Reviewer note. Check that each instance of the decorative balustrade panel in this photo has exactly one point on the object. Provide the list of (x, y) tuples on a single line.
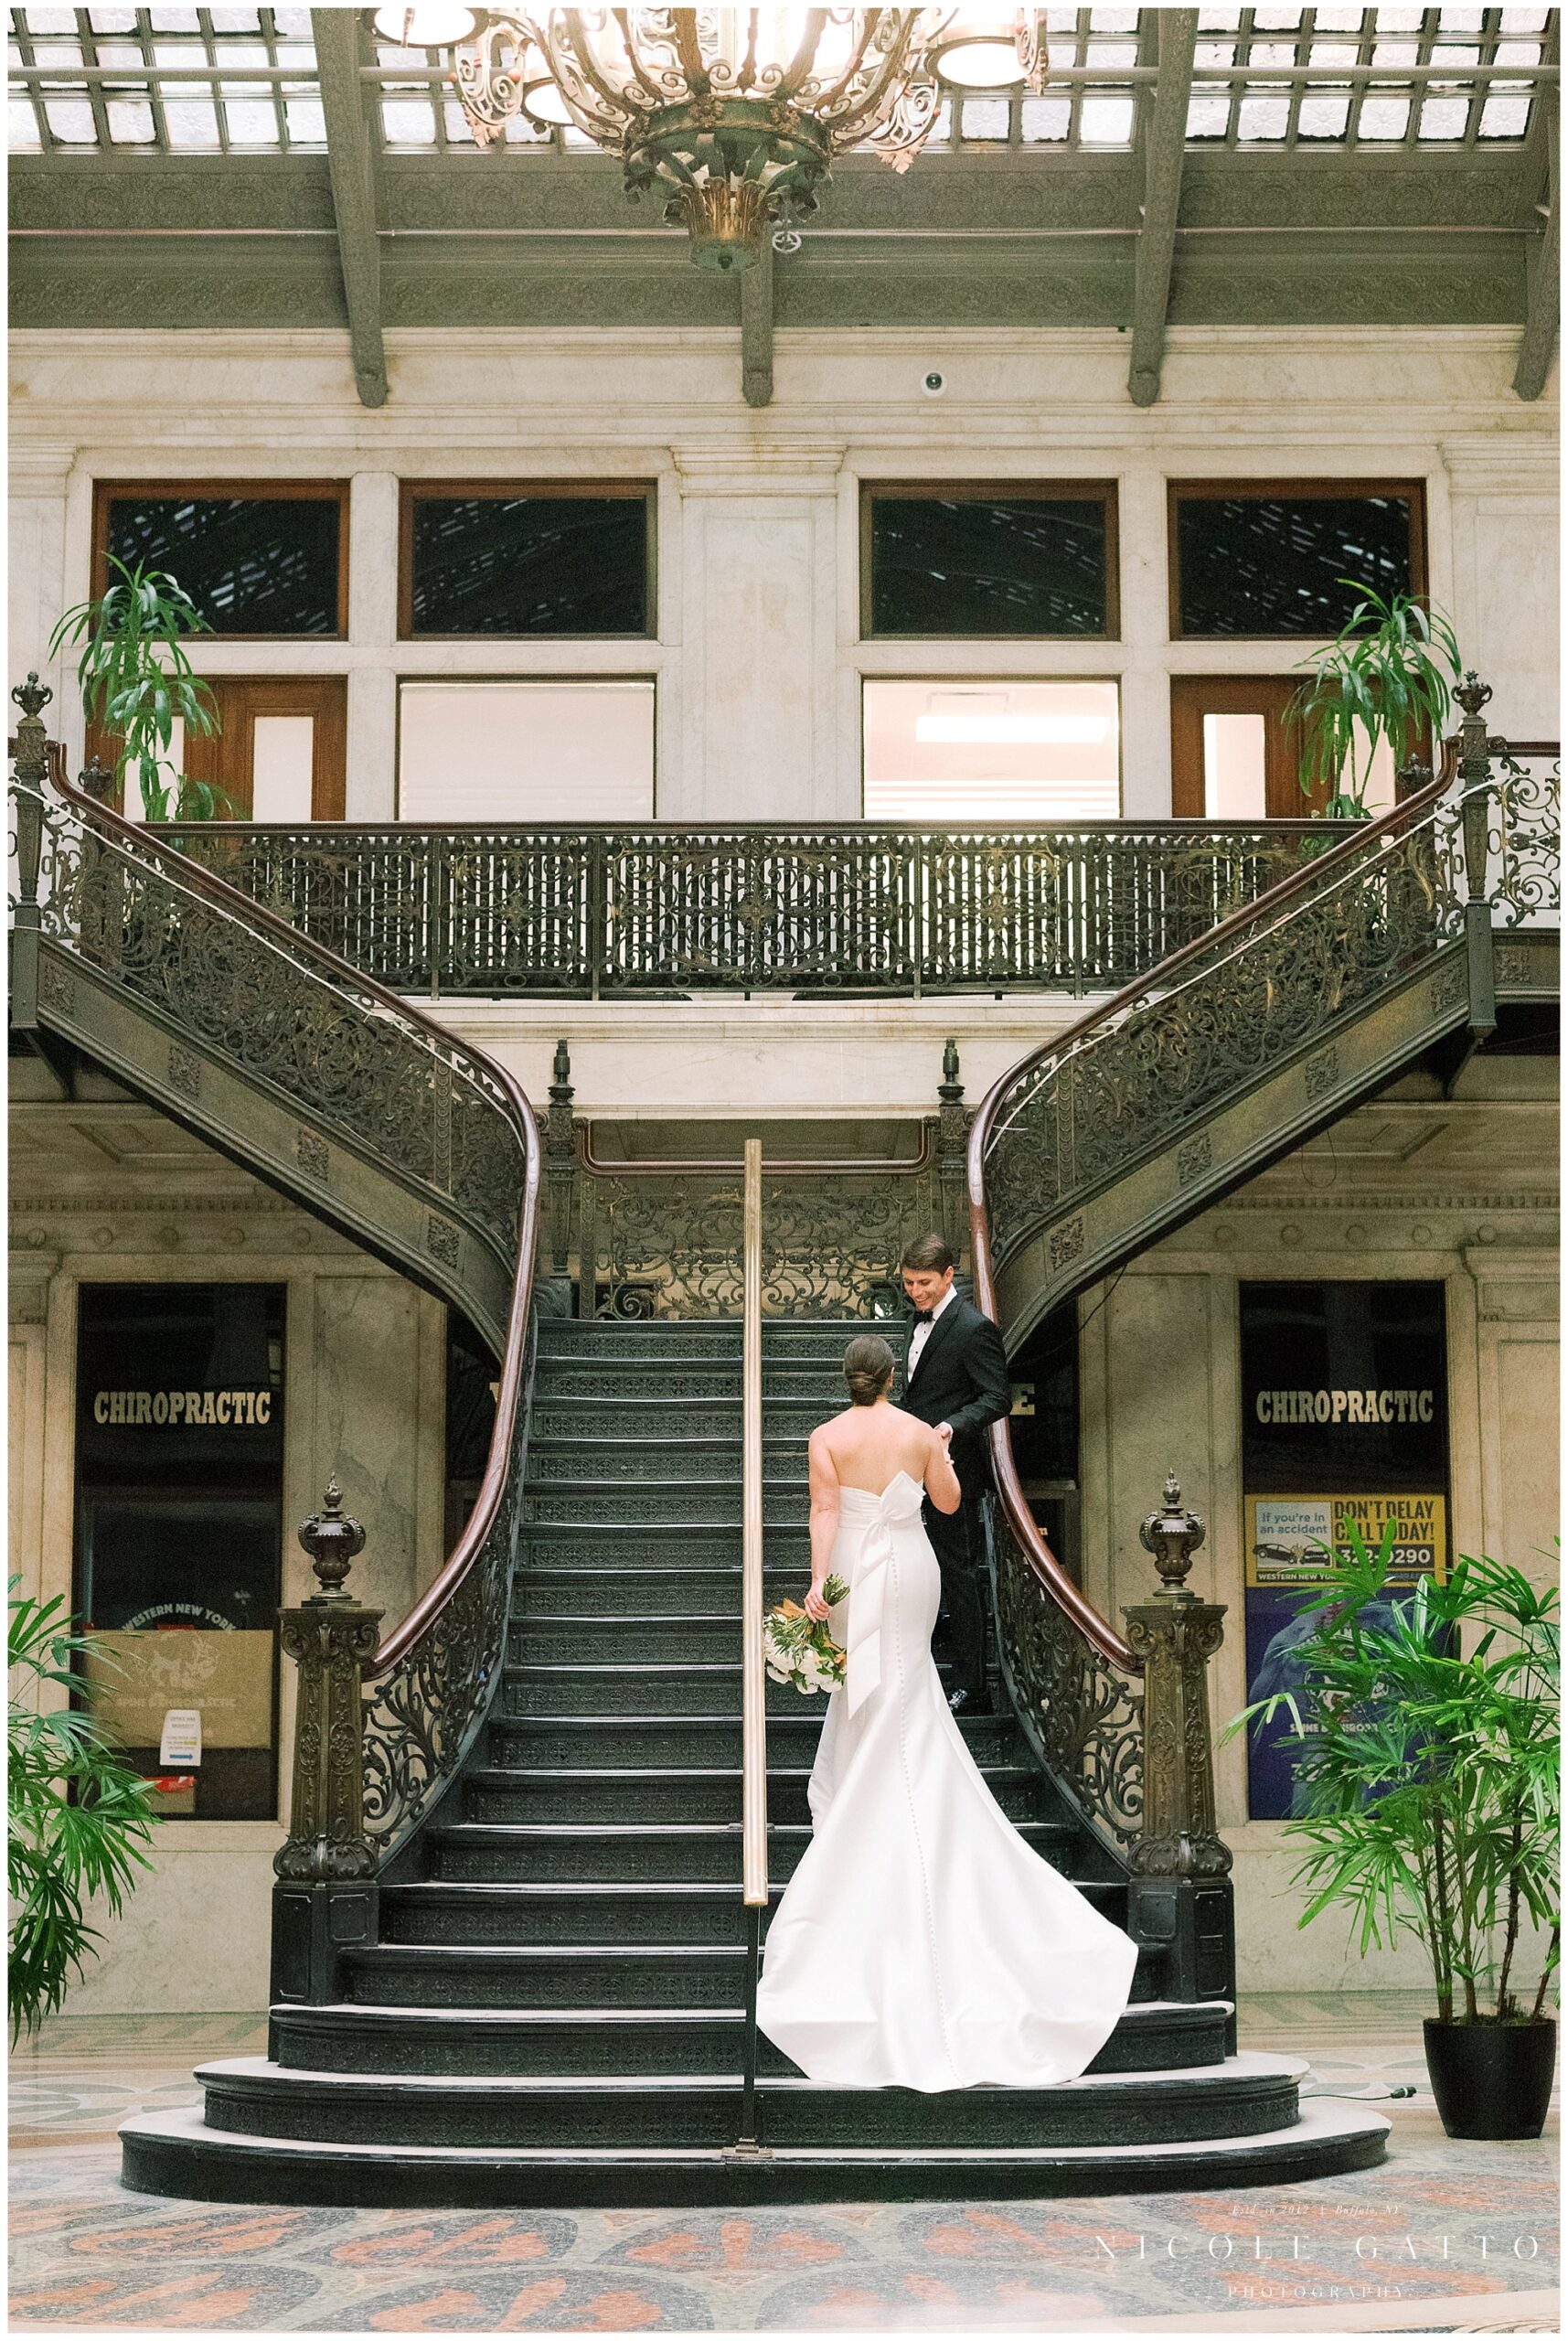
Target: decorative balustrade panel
[(355, 1066), (1079, 1116), (423, 1713), (1525, 843), (499, 912), (1087, 1715), (667, 1244)]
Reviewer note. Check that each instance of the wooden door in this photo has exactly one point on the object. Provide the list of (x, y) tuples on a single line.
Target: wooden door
[(280, 752), (1278, 795)]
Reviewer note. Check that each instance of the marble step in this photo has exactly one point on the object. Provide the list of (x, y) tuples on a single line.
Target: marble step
[(1245, 2095), (686, 1455), (657, 1588), (577, 1742), (644, 1793), (684, 1688), (628, 1505), (668, 1852), (180, 2154)]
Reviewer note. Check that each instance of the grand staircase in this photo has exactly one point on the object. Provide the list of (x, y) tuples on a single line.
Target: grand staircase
[(555, 2009), (520, 1975)]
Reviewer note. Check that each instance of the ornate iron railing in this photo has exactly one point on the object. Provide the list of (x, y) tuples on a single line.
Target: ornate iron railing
[(1525, 830), (601, 913), (360, 1069), (1147, 1070)]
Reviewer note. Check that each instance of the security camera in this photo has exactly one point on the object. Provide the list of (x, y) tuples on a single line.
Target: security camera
[(933, 384)]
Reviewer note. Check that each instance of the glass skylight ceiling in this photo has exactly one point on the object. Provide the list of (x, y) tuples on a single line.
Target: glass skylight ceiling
[(220, 80)]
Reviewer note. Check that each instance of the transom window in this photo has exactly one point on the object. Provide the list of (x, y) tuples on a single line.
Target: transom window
[(986, 560), (264, 559), (487, 559), (1265, 558)]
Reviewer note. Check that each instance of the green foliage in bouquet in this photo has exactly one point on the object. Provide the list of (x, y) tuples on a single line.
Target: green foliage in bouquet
[(1426, 1744), (78, 1815), (799, 1649)]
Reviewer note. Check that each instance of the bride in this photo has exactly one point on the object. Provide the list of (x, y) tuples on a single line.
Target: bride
[(922, 1942)]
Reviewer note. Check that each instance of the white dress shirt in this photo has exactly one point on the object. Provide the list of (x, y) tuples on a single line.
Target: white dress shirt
[(922, 1333)]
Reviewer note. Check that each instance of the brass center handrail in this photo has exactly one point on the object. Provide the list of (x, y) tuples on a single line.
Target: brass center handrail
[(753, 1679), (753, 1676)]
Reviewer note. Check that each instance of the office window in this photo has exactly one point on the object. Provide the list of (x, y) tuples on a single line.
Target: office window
[(566, 751), (179, 1531), (483, 559), (1037, 755), (261, 561), (1270, 558), (1008, 558)]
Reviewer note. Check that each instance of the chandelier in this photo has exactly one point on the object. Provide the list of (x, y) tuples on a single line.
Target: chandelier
[(734, 114)]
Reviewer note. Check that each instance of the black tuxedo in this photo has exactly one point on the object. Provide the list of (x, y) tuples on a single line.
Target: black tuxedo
[(961, 1378)]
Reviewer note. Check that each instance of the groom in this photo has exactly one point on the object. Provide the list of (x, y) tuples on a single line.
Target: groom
[(956, 1380)]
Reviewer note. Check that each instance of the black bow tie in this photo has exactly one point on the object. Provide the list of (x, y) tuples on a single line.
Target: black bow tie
[(923, 1316)]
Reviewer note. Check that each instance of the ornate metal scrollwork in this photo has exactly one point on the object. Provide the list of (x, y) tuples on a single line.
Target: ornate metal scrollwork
[(1086, 1715), (360, 1071), (667, 1244), (1079, 1116), (865, 910)]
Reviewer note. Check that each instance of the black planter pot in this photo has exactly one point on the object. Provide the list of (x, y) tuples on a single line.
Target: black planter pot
[(1491, 2080)]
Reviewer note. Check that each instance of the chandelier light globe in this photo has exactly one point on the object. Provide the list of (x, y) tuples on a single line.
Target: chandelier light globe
[(734, 114), (439, 24), (976, 50)]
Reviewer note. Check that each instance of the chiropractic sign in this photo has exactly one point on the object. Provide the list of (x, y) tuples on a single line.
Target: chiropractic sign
[(175, 1407), (1344, 1432)]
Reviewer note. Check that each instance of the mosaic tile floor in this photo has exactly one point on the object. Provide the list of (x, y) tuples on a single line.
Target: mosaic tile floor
[(1469, 2229)]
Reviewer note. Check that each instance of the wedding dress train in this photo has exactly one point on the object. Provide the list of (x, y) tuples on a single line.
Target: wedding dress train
[(922, 1943)]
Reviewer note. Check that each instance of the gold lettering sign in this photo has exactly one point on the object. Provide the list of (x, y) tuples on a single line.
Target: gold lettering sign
[(223, 1408)]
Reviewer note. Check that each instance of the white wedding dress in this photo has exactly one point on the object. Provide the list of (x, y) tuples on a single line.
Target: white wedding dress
[(922, 1943)]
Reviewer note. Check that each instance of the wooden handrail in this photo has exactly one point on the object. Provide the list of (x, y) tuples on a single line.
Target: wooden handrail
[(135, 839), (1097, 1631)]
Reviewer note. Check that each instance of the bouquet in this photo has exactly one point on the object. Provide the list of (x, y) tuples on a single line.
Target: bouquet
[(799, 1650)]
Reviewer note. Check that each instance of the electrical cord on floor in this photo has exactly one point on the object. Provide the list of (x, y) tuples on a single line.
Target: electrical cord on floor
[(1365, 2096)]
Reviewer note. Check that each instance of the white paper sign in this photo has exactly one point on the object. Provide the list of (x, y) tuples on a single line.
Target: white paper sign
[(181, 1741)]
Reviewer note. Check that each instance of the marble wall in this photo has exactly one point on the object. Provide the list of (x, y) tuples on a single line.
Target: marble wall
[(365, 1397), (1461, 1191), (758, 656)]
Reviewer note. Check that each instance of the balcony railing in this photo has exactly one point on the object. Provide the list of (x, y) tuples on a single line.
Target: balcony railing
[(600, 913)]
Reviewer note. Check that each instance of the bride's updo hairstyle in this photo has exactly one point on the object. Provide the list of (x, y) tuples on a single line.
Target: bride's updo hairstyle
[(867, 1369)]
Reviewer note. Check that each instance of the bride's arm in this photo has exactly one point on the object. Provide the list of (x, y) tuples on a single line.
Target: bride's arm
[(824, 1521), (940, 1479)]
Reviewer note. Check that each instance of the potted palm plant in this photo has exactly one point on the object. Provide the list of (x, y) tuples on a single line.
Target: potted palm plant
[(1389, 675), (79, 1821), (137, 680), (1425, 1736)]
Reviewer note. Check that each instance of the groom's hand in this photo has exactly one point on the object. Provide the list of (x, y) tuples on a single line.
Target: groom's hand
[(944, 1433)]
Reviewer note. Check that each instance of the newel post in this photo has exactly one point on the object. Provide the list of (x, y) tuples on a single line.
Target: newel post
[(952, 1150), (325, 1899), (31, 770), (561, 1182), (1179, 1896)]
